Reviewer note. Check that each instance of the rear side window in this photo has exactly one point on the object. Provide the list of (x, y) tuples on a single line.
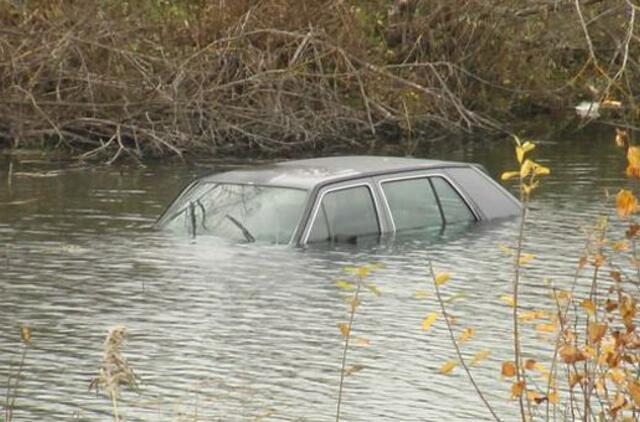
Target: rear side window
[(490, 197), (413, 204), (454, 208), (345, 215)]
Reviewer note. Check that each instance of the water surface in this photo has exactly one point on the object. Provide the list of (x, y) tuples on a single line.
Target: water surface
[(246, 332)]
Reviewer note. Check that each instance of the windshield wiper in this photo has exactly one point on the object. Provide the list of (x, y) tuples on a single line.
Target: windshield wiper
[(192, 214), (247, 234)]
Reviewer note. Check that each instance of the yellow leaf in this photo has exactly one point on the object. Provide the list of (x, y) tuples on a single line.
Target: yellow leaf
[(479, 356), (522, 149), (617, 375), (428, 321), (541, 368), (590, 352), (620, 246), (466, 334), (352, 369), (540, 170), (516, 389), (525, 258), (505, 249), (344, 329), (596, 332), (507, 175), (611, 104), (588, 306), (626, 203), (362, 342), (618, 403), (530, 167), (528, 188), (373, 288), (526, 168), (553, 397), (532, 315), (622, 138), (602, 223), (562, 294), (546, 328), (363, 271), (345, 285), (422, 294), (530, 364), (456, 298), (508, 369), (633, 157), (628, 310), (600, 386), (354, 303), (508, 299), (571, 354), (441, 278), (26, 334), (575, 378), (634, 391), (535, 396), (448, 366), (376, 265)]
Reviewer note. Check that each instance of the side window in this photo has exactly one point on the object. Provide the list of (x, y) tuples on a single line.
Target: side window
[(453, 206), (413, 204), (345, 215)]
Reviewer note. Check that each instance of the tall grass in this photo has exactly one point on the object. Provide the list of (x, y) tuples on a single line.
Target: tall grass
[(115, 370)]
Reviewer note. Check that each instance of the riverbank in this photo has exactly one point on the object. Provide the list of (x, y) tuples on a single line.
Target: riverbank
[(107, 80)]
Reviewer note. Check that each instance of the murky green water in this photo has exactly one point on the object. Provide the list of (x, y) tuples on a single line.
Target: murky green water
[(250, 333)]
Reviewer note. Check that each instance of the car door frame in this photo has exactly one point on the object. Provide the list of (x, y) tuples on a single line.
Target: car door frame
[(422, 174), (384, 224)]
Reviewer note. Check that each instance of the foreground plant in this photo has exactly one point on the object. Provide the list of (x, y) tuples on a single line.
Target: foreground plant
[(438, 280), (12, 387), (360, 273), (115, 370), (529, 174), (594, 370)]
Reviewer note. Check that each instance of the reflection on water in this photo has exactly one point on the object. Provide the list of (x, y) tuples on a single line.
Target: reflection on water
[(241, 332)]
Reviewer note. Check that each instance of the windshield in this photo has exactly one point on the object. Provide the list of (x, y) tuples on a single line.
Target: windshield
[(237, 212)]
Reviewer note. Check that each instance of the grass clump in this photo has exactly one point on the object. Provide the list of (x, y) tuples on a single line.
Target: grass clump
[(115, 372)]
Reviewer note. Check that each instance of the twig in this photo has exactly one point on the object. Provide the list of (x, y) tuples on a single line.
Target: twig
[(343, 362), (516, 284), (457, 348)]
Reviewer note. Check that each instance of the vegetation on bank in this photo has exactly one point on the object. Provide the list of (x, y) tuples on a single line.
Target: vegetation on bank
[(114, 78)]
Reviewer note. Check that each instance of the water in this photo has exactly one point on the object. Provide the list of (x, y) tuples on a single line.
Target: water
[(241, 332)]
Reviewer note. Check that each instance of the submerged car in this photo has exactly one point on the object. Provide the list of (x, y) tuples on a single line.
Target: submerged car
[(338, 199)]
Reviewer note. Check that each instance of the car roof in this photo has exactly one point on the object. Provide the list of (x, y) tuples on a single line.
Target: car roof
[(306, 174)]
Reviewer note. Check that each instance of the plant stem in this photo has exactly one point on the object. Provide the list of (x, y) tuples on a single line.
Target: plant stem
[(116, 418), (354, 304), (12, 395), (516, 282), (455, 345)]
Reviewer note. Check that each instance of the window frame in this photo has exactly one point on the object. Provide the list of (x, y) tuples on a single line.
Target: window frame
[(162, 220), (318, 202), (427, 176)]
